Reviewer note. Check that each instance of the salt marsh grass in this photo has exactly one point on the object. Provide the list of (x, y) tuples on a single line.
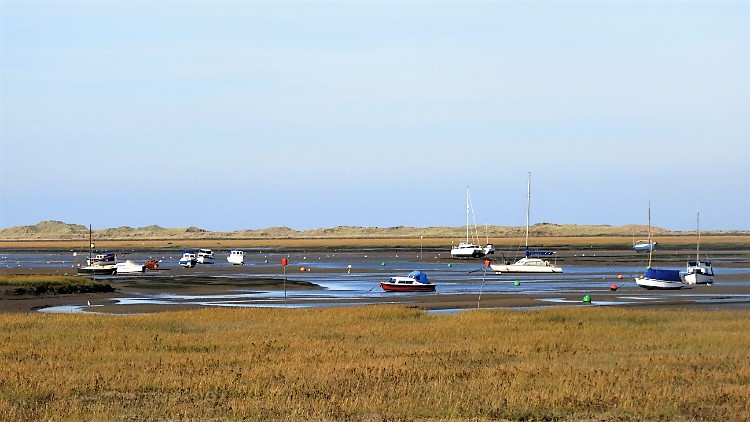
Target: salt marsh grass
[(377, 363)]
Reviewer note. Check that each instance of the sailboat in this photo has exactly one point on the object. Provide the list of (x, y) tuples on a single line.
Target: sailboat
[(656, 279), (698, 271), (468, 249), (528, 264), (103, 264)]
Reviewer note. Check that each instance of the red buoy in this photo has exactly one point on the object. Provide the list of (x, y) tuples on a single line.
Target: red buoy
[(613, 287)]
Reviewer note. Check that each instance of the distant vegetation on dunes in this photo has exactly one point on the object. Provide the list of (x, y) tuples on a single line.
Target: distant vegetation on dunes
[(58, 230)]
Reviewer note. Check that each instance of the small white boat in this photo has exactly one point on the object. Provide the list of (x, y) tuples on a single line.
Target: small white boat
[(98, 269), (188, 259), (105, 258), (129, 267), (205, 256), (643, 246), (467, 249), (698, 271), (471, 250), (236, 257), (528, 264), (657, 279)]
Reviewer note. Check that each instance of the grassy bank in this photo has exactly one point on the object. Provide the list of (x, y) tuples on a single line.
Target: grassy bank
[(377, 363), (39, 284)]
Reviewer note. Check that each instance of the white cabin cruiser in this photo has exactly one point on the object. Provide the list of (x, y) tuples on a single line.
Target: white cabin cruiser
[(698, 271), (236, 257), (467, 249), (528, 264), (188, 259), (129, 267), (205, 256)]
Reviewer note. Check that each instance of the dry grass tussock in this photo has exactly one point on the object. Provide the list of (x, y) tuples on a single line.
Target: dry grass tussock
[(377, 363)]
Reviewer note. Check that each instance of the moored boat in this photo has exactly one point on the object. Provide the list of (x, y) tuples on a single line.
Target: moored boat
[(101, 264), (236, 257), (188, 259), (205, 256), (643, 245), (416, 281), (528, 264), (698, 271), (102, 259), (658, 279), (129, 267), (468, 249)]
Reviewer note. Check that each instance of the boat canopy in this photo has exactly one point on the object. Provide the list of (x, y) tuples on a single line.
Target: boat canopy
[(664, 275), (419, 276), (530, 253)]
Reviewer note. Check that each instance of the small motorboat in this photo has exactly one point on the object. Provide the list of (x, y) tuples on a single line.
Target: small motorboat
[(102, 259), (129, 267), (416, 281), (656, 279), (97, 269), (188, 259), (205, 256), (643, 246), (236, 257)]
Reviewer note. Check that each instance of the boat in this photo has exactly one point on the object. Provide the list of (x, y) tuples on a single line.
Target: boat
[(188, 259), (152, 264), (698, 271), (129, 267), (658, 279), (529, 263), (416, 281), (236, 257), (468, 249), (643, 245), (102, 259), (205, 256), (105, 265)]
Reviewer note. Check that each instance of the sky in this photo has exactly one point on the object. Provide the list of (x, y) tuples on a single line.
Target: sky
[(231, 115)]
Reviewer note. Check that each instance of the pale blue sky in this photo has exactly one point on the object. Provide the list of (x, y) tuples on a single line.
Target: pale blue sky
[(231, 115)]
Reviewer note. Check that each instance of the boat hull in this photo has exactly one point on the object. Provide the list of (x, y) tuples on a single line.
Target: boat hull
[(655, 284), (656, 279), (528, 266), (97, 270), (129, 267), (698, 278), (188, 263), (417, 287)]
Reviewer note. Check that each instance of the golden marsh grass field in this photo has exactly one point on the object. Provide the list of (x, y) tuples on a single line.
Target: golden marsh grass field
[(377, 363)]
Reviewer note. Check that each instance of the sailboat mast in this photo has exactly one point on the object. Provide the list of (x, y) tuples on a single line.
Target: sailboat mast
[(698, 247), (651, 246), (528, 210), (91, 244), (467, 214)]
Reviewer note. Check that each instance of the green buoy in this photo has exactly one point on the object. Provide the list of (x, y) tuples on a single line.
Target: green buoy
[(516, 283), (587, 299)]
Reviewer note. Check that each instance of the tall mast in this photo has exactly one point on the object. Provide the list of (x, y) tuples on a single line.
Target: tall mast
[(467, 214), (91, 244), (698, 247), (651, 246), (528, 210)]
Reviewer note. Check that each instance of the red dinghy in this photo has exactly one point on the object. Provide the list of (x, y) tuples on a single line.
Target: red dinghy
[(416, 281)]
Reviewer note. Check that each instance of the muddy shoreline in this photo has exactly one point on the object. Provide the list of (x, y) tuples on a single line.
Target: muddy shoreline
[(227, 280)]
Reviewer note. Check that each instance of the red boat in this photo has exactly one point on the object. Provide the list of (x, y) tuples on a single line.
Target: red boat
[(416, 281)]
